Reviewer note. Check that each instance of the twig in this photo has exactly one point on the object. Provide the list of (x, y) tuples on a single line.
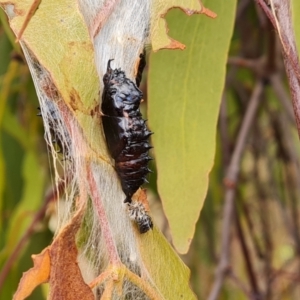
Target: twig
[(250, 225), (292, 172), (292, 182), (255, 294), (223, 125), (252, 64), (280, 18), (115, 275), (108, 292), (260, 66), (79, 139), (143, 285), (260, 184), (104, 276), (278, 199), (241, 8), (230, 181), (238, 282), (50, 197), (34, 6), (282, 96), (263, 20), (105, 228), (294, 283), (290, 162), (276, 274)]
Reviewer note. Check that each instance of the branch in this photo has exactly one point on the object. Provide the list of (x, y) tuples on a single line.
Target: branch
[(250, 225), (282, 96), (246, 253), (34, 6), (280, 17), (230, 183), (104, 224), (224, 134), (240, 284), (256, 65)]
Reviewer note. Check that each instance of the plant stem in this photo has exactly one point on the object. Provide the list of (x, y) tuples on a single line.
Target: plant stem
[(230, 182)]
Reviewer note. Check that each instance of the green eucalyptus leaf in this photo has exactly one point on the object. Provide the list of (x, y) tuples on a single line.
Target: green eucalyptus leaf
[(185, 89)]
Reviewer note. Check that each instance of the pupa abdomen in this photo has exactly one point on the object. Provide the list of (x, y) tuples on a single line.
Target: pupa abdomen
[(125, 131)]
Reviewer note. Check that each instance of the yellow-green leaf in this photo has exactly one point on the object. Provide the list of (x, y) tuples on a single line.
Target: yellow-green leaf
[(170, 274), (296, 21), (58, 38), (185, 89), (159, 29)]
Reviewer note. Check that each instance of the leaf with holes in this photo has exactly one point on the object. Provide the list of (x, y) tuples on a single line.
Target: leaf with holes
[(185, 89)]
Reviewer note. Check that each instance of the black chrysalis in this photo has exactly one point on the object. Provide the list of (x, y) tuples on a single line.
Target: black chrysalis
[(125, 131)]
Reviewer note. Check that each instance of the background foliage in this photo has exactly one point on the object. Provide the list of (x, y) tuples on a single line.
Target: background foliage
[(265, 238)]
